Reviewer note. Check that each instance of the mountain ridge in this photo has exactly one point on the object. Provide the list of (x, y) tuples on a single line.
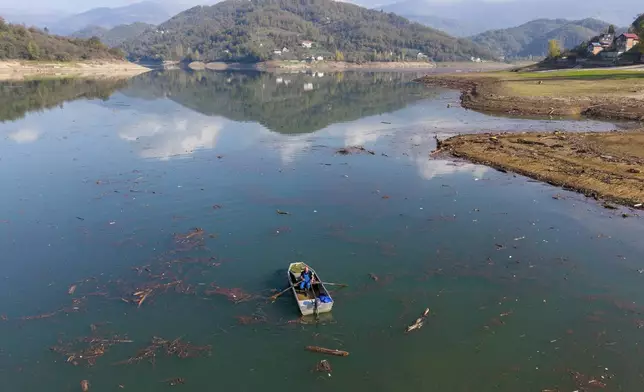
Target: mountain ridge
[(531, 38), (106, 17), (116, 35), (253, 30)]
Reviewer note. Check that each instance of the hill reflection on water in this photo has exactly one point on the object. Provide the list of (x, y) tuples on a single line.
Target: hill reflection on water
[(286, 103)]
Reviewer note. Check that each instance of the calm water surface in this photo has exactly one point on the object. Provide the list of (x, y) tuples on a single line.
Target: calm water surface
[(101, 179)]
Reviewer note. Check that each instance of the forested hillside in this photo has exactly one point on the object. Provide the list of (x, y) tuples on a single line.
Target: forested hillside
[(531, 39), (236, 30), (21, 43), (116, 35)]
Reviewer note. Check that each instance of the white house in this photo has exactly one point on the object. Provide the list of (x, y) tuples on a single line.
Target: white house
[(277, 52), (307, 44), (320, 58), (308, 86), (285, 50), (420, 56)]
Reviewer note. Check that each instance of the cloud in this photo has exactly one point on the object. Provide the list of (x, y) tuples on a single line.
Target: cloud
[(26, 135)]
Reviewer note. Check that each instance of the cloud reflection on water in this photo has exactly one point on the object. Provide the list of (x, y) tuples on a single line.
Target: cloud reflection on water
[(25, 135)]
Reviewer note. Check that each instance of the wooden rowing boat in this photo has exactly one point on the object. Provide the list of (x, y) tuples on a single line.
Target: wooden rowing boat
[(309, 301)]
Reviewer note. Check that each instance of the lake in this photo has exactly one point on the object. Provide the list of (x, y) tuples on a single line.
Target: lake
[(135, 213)]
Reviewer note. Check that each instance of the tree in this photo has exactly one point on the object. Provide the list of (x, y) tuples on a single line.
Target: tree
[(33, 50), (339, 56), (638, 26), (554, 48), (178, 50), (611, 29)]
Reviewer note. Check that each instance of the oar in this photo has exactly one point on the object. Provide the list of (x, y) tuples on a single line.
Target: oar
[(334, 284), (274, 297)]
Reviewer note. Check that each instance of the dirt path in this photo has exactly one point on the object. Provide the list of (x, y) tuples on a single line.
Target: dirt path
[(606, 165)]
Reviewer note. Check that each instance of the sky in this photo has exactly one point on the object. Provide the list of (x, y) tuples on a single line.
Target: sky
[(77, 6)]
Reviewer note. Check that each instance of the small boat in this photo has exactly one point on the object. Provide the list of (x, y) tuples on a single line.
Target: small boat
[(315, 300)]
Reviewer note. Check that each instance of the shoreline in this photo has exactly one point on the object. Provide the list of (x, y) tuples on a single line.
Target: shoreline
[(24, 70), (487, 92), (600, 165), (339, 66)]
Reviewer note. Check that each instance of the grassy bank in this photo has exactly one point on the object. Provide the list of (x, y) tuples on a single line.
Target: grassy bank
[(612, 94), (20, 70), (601, 165)]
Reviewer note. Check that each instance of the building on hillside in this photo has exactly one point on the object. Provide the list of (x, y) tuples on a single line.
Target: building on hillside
[(594, 48), (285, 50), (277, 52), (319, 58), (626, 41), (606, 40), (307, 44)]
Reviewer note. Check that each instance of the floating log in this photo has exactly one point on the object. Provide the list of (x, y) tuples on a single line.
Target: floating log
[(338, 353)]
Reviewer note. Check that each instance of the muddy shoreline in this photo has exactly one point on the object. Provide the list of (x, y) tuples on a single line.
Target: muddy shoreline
[(486, 94), (21, 70), (607, 165)]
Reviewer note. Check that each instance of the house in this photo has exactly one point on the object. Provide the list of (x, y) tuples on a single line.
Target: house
[(307, 44), (594, 48), (285, 50), (319, 58), (308, 86), (277, 52), (420, 56), (606, 40), (626, 41)]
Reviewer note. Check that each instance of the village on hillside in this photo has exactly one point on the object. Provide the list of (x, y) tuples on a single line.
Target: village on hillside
[(606, 49)]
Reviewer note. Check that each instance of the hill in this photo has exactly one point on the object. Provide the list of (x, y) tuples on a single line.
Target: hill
[(251, 30), (19, 42), (531, 39), (145, 12), (115, 36)]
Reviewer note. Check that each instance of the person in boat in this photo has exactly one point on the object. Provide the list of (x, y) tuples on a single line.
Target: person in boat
[(306, 278)]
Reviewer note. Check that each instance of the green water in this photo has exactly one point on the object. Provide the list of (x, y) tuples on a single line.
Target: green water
[(98, 177)]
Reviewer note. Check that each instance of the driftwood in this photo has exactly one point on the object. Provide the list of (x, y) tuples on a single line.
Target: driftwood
[(418, 324), (328, 351)]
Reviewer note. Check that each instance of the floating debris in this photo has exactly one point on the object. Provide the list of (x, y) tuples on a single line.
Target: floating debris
[(86, 350), (354, 150), (418, 324), (280, 212), (235, 295), (84, 385), (175, 347), (324, 366), (322, 350), (175, 381)]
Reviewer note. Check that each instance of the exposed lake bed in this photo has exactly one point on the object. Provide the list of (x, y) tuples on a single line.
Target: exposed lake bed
[(158, 207)]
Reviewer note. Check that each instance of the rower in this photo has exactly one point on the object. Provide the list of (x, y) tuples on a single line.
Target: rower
[(306, 278)]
